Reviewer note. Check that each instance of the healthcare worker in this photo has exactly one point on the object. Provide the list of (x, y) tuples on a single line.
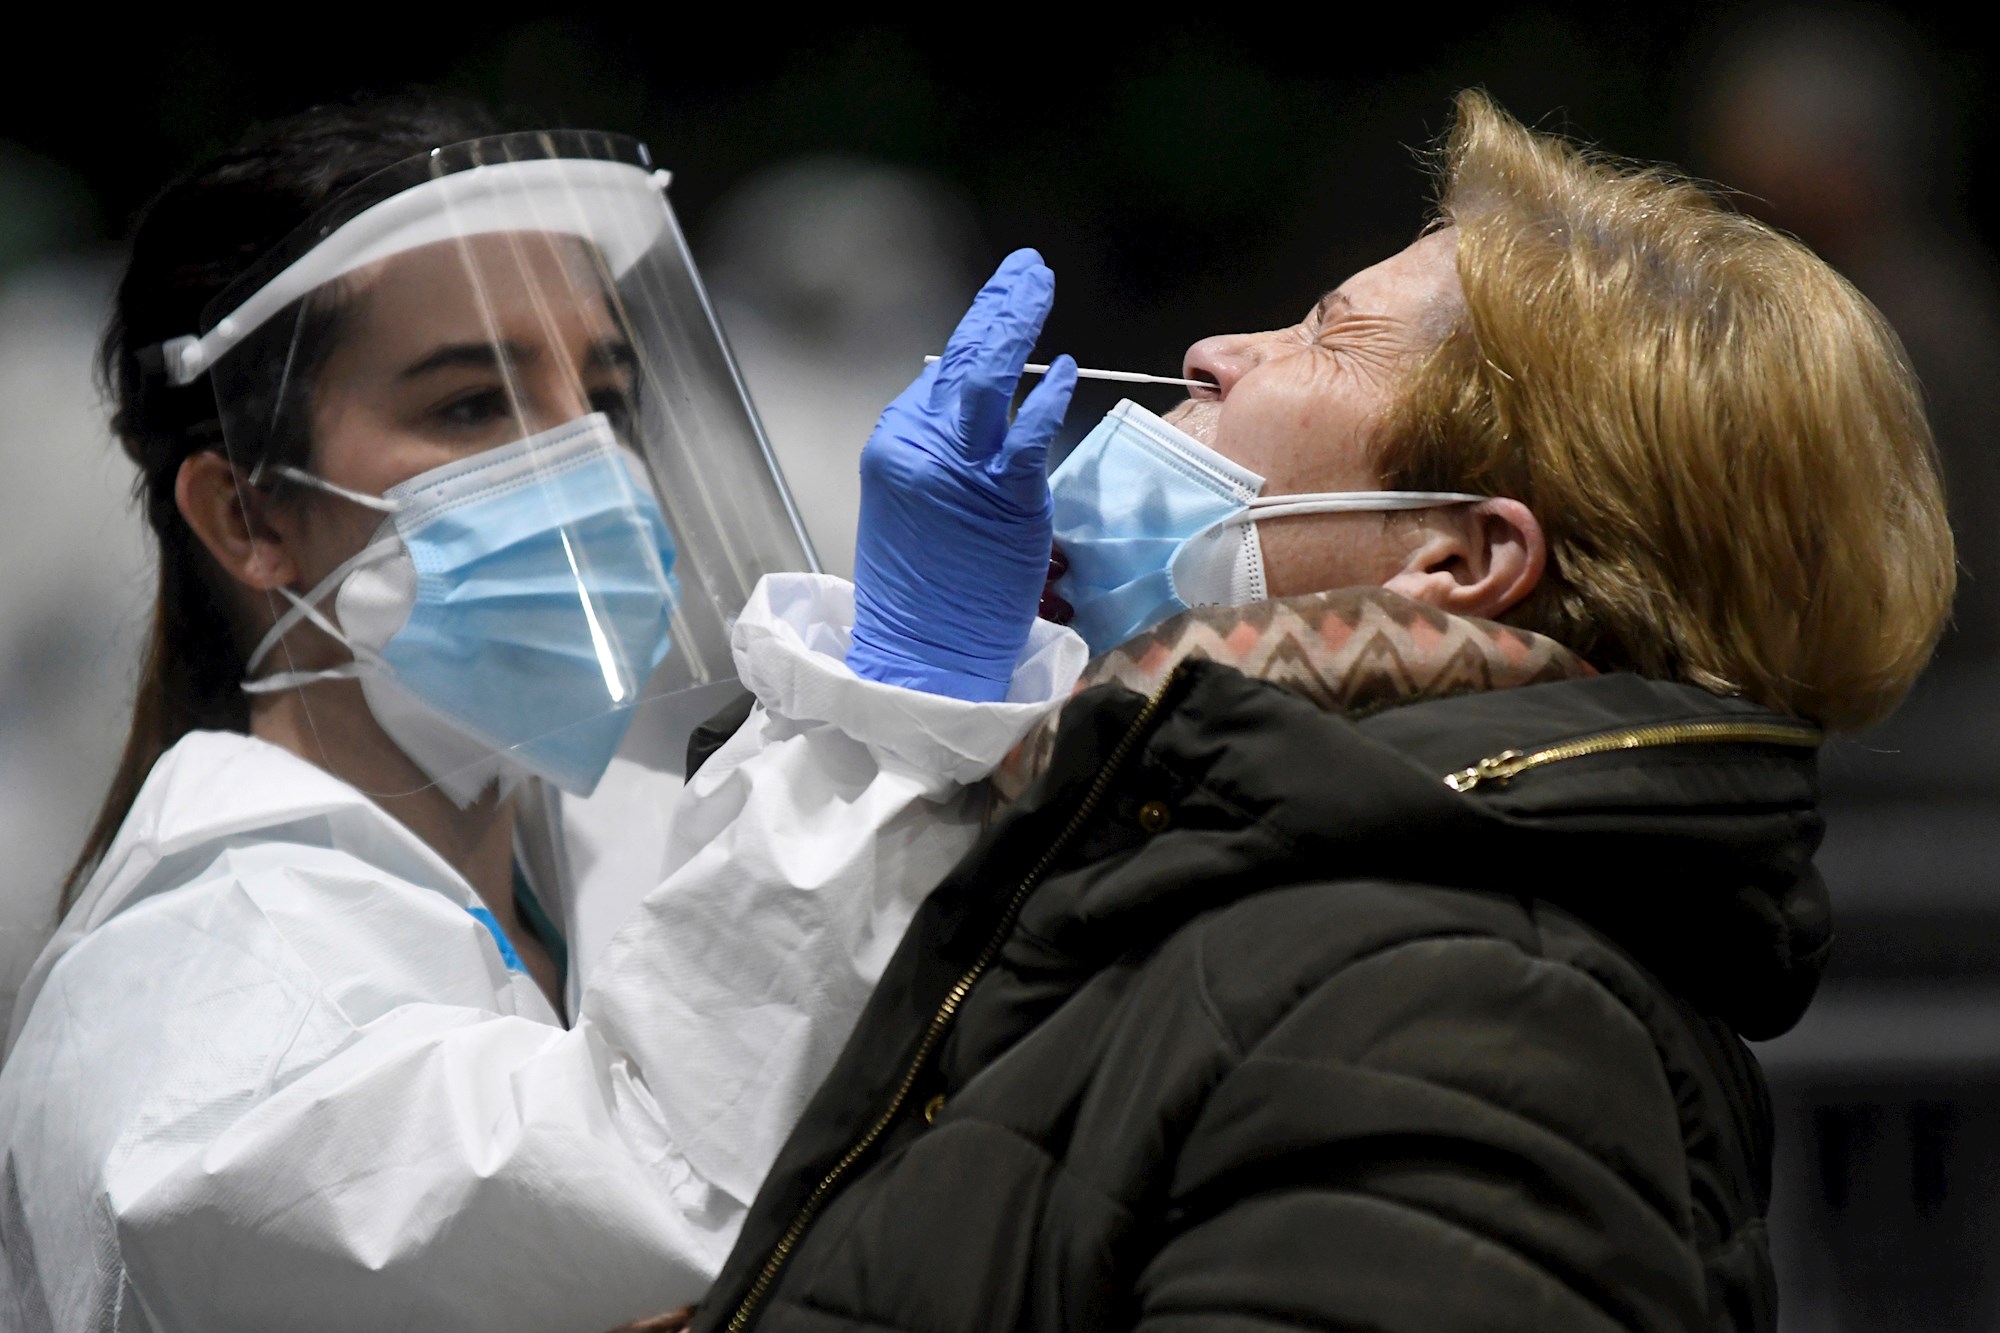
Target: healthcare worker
[(459, 506)]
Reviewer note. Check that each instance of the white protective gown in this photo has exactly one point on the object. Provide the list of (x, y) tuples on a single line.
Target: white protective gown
[(272, 1073)]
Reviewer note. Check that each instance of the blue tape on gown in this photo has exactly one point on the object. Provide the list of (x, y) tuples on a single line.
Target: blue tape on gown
[(492, 924)]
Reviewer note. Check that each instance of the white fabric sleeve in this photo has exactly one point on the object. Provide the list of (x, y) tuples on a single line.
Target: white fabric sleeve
[(291, 1095), (797, 856), (300, 1092)]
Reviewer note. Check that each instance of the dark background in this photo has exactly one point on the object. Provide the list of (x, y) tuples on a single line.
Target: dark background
[(1213, 170), (1198, 171)]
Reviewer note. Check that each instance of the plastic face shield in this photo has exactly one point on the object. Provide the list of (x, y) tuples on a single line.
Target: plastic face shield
[(503, 345)]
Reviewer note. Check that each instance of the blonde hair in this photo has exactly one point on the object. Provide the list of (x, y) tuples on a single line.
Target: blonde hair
[(1722, 439)]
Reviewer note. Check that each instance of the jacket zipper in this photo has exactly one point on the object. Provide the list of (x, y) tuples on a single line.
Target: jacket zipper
[(1504, 767), (946, 1012)]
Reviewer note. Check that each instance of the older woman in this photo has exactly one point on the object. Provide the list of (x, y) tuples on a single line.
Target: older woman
[(1374, 945)]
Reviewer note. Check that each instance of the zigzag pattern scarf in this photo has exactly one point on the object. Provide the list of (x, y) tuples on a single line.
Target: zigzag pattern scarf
[(1354, 651)]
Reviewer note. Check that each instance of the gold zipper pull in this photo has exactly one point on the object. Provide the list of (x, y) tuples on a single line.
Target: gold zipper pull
[(1510, 764), (1493, 768)]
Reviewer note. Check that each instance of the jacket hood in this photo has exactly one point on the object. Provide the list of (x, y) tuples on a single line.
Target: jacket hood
[(1694, 856)]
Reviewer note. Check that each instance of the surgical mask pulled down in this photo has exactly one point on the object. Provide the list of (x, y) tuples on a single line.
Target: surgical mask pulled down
[(1154, 522), (506, 615)]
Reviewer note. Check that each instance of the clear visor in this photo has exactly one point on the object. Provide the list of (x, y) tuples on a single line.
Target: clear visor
[(484, 408)]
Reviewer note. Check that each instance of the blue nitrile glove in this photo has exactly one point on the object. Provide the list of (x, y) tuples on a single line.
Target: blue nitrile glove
[(956, 519)]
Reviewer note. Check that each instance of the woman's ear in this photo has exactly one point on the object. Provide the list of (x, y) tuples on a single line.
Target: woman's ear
[(1475, 560), (228, 517)]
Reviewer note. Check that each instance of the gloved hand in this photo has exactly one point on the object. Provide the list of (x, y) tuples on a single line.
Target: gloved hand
[(956, 518)]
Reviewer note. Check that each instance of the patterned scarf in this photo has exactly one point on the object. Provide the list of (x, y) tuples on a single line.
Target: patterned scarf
[(1354, 651)]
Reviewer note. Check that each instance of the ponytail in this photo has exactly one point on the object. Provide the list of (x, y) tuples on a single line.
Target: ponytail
[(188, 681)]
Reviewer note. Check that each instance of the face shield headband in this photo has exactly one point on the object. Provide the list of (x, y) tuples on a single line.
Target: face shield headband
[(615, 205), (523, 304)]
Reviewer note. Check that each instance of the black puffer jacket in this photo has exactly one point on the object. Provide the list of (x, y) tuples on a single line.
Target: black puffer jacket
[(1243, 1017)]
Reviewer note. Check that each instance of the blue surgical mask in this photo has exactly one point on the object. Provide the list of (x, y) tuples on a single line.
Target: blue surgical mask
[(509, 612), (1154, 522)]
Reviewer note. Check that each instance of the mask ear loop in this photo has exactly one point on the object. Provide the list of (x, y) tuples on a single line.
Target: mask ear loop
[(1262, 507), (306, 608), (1349, 502), (377, 503)]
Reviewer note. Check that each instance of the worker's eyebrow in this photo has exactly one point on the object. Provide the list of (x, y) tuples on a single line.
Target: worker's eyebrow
[(473, 355), (611, 354)]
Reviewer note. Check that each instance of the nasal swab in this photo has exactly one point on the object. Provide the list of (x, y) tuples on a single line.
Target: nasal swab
[(1122, 376)]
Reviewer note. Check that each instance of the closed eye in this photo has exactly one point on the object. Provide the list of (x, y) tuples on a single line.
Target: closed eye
[(1330, 308), (1372, 341)]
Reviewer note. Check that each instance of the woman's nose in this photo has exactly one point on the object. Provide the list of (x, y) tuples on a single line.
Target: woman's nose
[(1221, 361), (554, 400)]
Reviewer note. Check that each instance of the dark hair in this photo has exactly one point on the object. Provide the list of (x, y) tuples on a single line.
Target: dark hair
[(203, 232)]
